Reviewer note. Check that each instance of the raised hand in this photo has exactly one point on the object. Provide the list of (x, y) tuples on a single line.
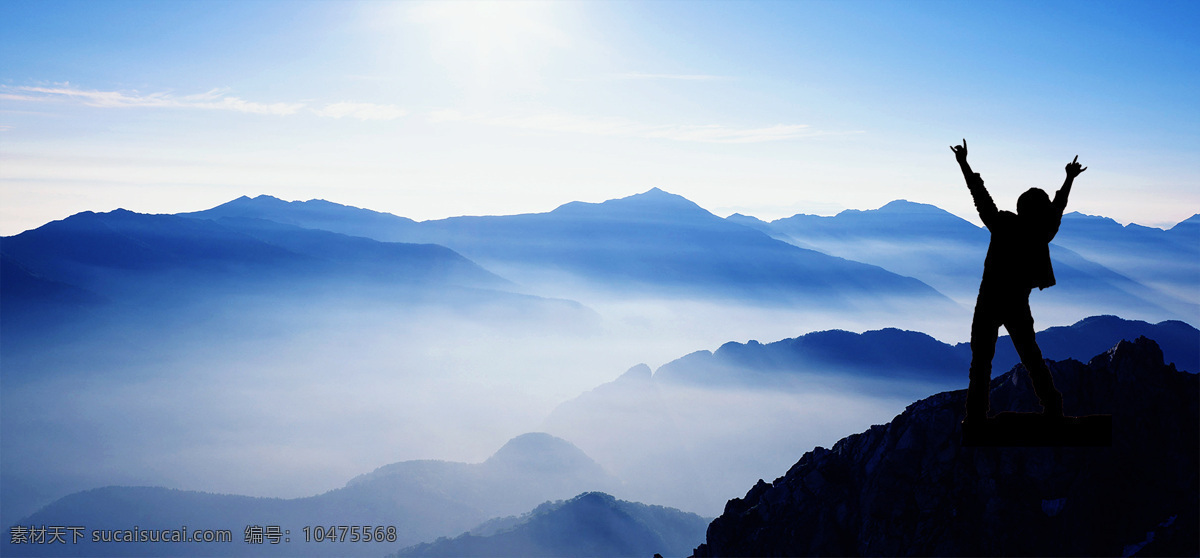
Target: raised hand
[(1073, 168), (960, 151)]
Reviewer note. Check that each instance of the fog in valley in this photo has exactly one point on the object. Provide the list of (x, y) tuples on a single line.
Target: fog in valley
[(292, 395), (280, 349)]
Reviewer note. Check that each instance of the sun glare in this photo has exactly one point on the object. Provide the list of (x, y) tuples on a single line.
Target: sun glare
[(494, 39)]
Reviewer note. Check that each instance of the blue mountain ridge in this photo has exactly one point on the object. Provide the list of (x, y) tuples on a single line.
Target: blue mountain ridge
[(95, 249), (67, 274), (668, 244), (79, 291), (901, 219), (1170, 258), (1188, 228), (1130, 270), (422, 499), (311, 214), (737, 398), (591, 524), (895, 354), (653, 241)]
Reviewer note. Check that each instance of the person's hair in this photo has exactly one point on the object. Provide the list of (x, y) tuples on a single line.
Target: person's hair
[(1033, 202)]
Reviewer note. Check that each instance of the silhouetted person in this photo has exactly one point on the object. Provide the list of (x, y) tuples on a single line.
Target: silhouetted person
[(1018, 259)]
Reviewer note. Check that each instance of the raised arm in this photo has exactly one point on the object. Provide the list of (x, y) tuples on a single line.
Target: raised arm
[(983, 201), (960, 153), (1060, 197)]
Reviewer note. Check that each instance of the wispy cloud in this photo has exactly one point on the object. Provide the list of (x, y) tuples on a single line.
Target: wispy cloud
[(685, 77), (361, 111), (566, 123), (650, 76), (215, 99)]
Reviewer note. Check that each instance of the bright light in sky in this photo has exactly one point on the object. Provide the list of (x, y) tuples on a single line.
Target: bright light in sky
[(434, 109), (493, 36), (490, 47)]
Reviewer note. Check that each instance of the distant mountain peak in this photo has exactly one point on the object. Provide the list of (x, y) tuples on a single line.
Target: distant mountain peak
[(654, 204), (264, 198), (312, 214), (267, 201), (540, 448), (910, 207), (1190, 225), (590, 524), (658, 195), (898, 207), (638, 373), (1097, 218), (244, 204), (662, 200)]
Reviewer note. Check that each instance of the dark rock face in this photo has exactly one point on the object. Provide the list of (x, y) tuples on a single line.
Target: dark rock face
[(909, 488)]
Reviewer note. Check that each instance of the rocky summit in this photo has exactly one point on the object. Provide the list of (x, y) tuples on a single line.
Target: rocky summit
[(910, 488)]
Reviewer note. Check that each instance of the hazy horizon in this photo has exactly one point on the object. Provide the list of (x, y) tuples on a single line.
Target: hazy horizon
[(282, 361), (430, 110), (973, 218)]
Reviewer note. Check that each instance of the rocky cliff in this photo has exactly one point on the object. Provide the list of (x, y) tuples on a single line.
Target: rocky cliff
[(911, 488)]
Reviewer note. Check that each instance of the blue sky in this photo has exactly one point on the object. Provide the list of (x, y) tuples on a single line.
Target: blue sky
[(429, 110)]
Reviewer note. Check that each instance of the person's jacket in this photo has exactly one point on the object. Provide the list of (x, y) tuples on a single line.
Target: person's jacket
[(1018, 256)]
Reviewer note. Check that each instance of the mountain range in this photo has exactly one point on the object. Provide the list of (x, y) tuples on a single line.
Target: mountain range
[(153, 261), (591, 524), (98, 300), (1163, 259), (124, 279), (427, 499), (663, 242), (767, 398), (655, 242), (433, 498), (894, 354), (1126, 270), (910, 488), (423, 500)]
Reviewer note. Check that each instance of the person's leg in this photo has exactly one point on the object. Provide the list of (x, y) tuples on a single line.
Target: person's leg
[(1020, 329), (985, 327)]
